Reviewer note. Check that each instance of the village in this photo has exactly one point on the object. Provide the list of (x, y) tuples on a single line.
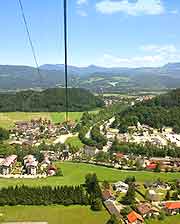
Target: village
[(133, 202), (146, 199), (30, 167), (34, 132)]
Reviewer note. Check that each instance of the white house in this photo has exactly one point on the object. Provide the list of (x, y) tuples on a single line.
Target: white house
[(121, 186)]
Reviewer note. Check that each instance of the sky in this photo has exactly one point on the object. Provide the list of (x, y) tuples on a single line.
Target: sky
[(109, 33)]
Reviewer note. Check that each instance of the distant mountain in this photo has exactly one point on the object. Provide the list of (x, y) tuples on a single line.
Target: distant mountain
[(92, 77)]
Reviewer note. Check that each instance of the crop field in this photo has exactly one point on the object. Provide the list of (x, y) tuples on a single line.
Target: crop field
[(53, 214), (74, 173)]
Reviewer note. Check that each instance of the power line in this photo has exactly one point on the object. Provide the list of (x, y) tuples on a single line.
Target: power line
[(66, 60), (29, 38)]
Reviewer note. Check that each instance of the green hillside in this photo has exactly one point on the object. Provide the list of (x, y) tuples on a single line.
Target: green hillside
[(163, 110), (49, 100)]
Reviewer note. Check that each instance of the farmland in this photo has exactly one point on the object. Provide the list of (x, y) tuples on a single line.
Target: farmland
[(74, 173), (54, 214)]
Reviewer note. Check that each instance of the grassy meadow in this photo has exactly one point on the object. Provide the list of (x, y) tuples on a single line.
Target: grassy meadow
[(54, 214), (168, 220), (8, 119), (74, 141), (74, 173)]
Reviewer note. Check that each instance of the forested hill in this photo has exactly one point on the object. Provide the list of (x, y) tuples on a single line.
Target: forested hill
[(171, 99), (163, 110), (49, 100)]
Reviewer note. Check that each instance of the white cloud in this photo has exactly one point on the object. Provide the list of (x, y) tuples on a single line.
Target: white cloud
[(158, 56), (80, 5), (175, 11), (82, 2), (81, 12), (164, 49), (139, 7)]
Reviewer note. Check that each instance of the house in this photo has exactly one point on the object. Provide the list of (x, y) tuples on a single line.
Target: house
[(45, 164), (90, 151), (152, 195), (106, 195), (167, 129), (30, 165), (113, 209), (7, 164), (134, 218), (172, 207), (119, 156), (151, 166), (146, 210), (52, 170), (121, 187)]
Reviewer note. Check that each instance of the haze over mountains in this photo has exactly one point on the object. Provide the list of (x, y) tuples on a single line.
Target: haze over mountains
[(92, 77)]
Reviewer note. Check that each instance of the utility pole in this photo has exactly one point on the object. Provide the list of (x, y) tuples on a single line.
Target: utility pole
[(66, 61)]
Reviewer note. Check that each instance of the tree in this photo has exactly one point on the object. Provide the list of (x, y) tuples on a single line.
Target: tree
[(129, 198), (97, 204), (130, 180), (125, 211), (106, 184), (161, 216), (92, 185), (175, 195), (113, 220), (4, 134), (167, 197), (158, 168), (102, 156)]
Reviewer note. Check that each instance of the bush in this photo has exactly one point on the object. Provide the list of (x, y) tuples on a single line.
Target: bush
[(113, 220), (97, 204), (68, 202), (59, 172), (4, 134), (161, 216)]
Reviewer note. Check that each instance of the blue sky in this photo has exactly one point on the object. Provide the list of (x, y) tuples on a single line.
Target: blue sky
[(107, 33)]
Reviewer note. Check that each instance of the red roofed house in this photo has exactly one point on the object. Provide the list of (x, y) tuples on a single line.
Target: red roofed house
[(119, 155), (151, 166), (106, 194), (173, 207), (146, 210), (7, 164), (135, 218)]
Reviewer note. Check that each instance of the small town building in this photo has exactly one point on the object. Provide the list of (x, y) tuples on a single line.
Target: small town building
[(134, 218), (172, 207), (106, 195), (120, 186), (152, 195), (146, 210), (90, 151), (113, 208), (30, 165), (6, 164), (45, 164)]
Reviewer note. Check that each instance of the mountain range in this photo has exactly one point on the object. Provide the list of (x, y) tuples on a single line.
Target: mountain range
[(92, 77)]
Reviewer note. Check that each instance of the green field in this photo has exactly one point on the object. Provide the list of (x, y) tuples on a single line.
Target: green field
[(7, 119), (54, 214), (74, 174), (168, 220), (75, 141)]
